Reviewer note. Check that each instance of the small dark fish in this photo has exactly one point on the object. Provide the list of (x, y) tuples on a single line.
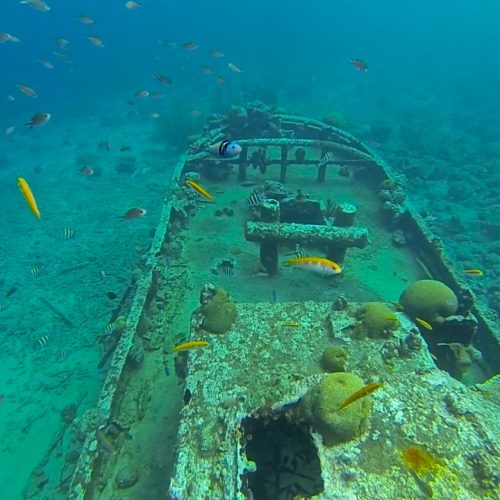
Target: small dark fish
[(164, 80), (111, 295), (11, 291), (359, 64), (125, 148), (254, 200), (190, 46), (187, 396), (248, 183), (326, 158), (133, 213)]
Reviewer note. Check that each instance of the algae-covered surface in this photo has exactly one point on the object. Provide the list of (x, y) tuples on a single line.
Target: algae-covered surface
[(264, 365)]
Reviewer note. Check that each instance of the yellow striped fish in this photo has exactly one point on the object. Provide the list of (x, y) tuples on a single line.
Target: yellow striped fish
[(200, 190), (361, 393), (424, 323), (193, 344), (317, 264), (28, 196)]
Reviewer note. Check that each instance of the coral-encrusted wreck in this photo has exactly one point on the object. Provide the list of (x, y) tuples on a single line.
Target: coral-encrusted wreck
[(239, 409), (256, 413)]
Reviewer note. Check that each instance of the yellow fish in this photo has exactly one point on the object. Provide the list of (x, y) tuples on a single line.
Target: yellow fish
[(474, 272), (364, 391), (193, 344), (289, 324), (319, 265), (424, 323), (28, 196), (200, 190)]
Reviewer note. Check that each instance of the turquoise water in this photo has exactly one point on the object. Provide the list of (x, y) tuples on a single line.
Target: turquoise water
[(428, 104)]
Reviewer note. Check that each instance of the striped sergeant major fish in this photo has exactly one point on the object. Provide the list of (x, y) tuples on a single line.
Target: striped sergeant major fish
[(254, 200), (226, 149), (298, 253), (68, 233), (326, 158), (42, 341), (62, 355)]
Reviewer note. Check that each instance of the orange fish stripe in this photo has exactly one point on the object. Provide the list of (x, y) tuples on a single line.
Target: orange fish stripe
[(28, 196), (364, 391), (193, 344), (203, 192)]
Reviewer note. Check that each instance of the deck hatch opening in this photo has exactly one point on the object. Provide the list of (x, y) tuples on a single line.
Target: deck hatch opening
[(287, 462)]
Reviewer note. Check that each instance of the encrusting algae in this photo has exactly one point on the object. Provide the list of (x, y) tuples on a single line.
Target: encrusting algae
[(419, 460)]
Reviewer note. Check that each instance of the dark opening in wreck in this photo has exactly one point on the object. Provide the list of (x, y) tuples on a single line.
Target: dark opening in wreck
[(286, 459)]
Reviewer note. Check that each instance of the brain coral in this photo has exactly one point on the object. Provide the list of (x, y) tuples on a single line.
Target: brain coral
[(320, 407), (377, 320), (219, 313), (430, 300), (334, 359)]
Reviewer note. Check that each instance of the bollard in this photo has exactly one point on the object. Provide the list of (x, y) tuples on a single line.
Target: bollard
[(270, 212), (344, 217)]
